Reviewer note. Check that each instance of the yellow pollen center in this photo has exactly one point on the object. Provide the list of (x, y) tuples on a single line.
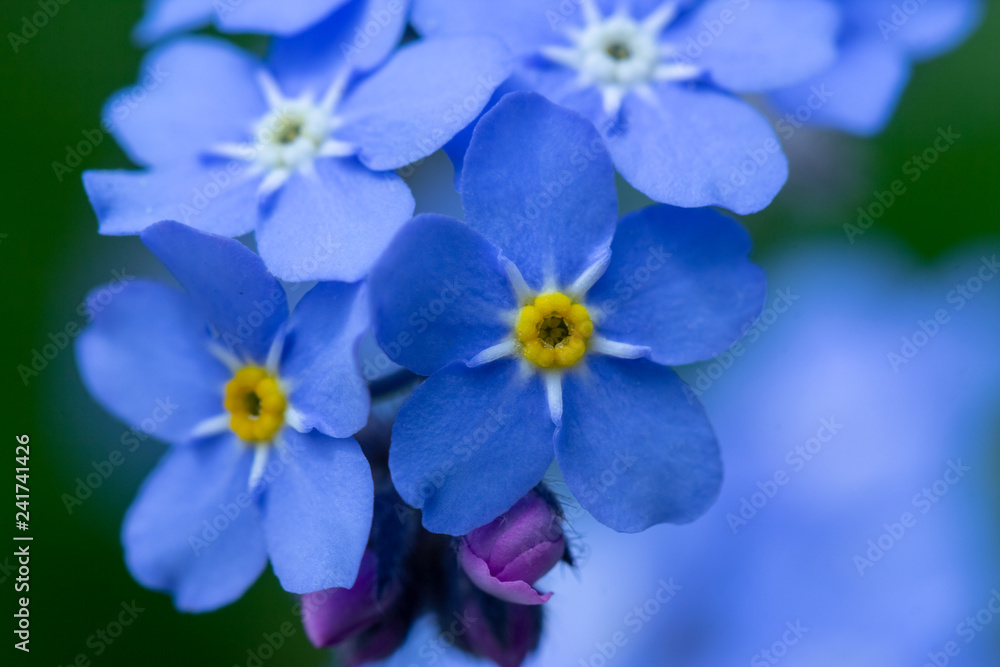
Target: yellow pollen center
[(553, 331), (255, 403)]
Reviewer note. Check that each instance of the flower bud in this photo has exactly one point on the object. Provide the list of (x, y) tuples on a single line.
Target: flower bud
[(334, 615), (505, 557), (505, 633)]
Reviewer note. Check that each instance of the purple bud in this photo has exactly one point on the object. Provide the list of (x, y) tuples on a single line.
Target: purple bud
[(505, 557), (521, 630), (334, 615)]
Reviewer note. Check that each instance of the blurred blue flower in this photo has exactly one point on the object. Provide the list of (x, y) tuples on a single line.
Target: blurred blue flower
[(789, 583), (302, 157), (540, 325), (658, 79), (374, 26), (259, 407), (880, 40)]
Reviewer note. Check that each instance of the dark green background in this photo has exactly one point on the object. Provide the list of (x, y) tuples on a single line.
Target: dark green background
[(51, 255)]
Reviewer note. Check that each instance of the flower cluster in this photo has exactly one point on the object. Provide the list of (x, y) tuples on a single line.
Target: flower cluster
[(532, 340)]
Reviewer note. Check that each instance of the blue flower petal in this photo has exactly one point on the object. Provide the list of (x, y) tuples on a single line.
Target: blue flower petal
[(166, 17), (523, 25), (145, 358), (421, 98), (320, 358), (334, 225), (635, 446), (317, 510), (680, 283), (696, 147), (439, 294), (243, 302), (936, 28), (765, 45), (194, 530), (859, 94), (275, 18), (538, 182), (192, 94), (469, 443), (206, 197), (360, 35)]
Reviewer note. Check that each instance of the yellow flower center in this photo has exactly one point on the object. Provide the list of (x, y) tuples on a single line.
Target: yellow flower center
[(553, 331), (255, 404)]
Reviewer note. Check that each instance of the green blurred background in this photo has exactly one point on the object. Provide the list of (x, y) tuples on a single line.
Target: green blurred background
[(51, 255)]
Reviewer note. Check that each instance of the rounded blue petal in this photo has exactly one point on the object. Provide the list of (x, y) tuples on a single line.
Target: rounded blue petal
[(320, 358), (191, 94), (145, 358), (166, 17), (469, 443), (422, 97), (206, 197), (859, 94), (439, 294), (317, 510), (635, 446), (934, 29), (274, 18), (194, 530), (334, 225), (523, 25), (359, 35), (694, 147), (680, 283), (538, 182), (242, 301), (759, 46)]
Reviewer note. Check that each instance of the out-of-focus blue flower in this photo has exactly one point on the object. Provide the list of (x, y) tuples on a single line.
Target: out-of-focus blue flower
[(363, 29), (794, 580), (540, 324), (259, 406), (880, 40), (301, 157), (658, 77)]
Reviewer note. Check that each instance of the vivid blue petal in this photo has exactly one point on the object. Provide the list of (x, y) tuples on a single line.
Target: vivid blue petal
[(457, 147), (859, 94), (194, 530), (765, 45), (523, 25), (439, 294), (538, 182), (680, 283), (469, 443), (334, 225), (166, 17), (320, 358), (242, 301), (317, 510), (699, 148), (126, 202), (274, 18), (635, 446), (935, 28), (145, 358), (360, 35), (192, 94), (421, 98)]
